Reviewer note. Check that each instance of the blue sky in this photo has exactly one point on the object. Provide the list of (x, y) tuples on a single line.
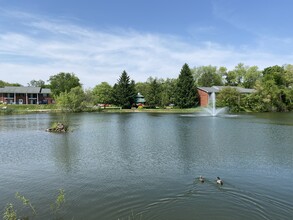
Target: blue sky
[(98, 39)]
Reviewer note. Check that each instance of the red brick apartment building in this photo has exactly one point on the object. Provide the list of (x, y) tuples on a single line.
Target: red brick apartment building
[(25, 95)]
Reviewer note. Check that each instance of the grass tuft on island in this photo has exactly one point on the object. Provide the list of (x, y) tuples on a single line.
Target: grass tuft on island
[(58, 127)]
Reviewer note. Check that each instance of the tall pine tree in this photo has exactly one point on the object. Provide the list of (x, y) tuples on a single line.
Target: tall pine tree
[(124, 91), (185, 92)]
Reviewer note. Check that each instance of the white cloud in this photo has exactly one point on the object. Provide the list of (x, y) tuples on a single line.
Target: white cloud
[(44, 47)]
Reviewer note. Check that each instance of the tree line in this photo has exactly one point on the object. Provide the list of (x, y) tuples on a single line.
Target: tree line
[(273, 89)]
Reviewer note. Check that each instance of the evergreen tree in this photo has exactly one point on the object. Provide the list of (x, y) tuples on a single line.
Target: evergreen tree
[(185, 94), (124, 91), (153, 96)]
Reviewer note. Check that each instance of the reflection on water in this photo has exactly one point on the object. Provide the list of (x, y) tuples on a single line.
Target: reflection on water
[(113, 165)]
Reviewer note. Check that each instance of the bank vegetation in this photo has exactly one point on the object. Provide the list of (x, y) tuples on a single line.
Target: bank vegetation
[(273, 91)]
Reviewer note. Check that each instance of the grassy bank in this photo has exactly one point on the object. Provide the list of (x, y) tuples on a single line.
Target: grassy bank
[(24, 109)]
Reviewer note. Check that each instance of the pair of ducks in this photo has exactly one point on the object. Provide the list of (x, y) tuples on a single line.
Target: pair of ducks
[(218, 180)]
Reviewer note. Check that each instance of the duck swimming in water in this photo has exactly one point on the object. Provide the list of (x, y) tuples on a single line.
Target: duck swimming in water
[(201, 179), (219, 181)]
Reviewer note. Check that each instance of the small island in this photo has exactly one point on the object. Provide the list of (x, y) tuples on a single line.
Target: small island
[(58, 127)]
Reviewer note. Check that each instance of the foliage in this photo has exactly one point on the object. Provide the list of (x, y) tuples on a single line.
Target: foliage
[(2, 84), (124, 91), (38, 83), (63, 83), (5, 110), (25, 202), (60, 200), (9, 213), (168, 92), (207, 76), (89, 98), (185, 91), (251, 76), (153, 95), (273, 91), (142, 88), (72, 100), (229, 97), (157, 92), (103, 93)]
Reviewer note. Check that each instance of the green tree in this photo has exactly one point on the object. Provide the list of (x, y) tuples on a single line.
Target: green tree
[(37, 83), (142, 88), (2, 84), (185, 93), (103, 93), (236, 76), (72, 100), (251, 76), (274, 90), (229, 97), (209, 76), (168, 92), (275, 73), (153, 95), (63, 82), (124, 91), (231, 78)]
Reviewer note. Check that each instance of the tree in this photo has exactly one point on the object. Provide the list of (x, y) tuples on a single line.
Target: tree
[(37, 83), (209, 76), (142, 88), (236, 76), (168, 91), (124, 91), (275, 73), (153, 95), (185, 91), (103, 93), (2, 84), (72, 100), (63, 82), (229, 97), (251, 76)]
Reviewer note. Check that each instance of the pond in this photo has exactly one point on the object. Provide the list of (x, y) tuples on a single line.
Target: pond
[(146, 165)]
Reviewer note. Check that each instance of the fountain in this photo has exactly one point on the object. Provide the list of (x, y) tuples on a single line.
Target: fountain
[(211, 109)]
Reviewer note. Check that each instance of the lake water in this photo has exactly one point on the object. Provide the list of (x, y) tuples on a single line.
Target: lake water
[(146, 165)]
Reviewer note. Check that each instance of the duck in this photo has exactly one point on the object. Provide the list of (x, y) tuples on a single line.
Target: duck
[(201, 179), (219, 181)]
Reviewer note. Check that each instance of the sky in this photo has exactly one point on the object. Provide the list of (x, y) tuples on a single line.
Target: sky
[(98, 39)]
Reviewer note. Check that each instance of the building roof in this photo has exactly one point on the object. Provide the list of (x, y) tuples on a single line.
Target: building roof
[(139, 98), (46, 91), (23, 89), (217, 89)]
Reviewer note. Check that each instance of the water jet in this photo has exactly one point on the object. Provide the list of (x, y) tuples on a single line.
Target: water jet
[(211, 108)]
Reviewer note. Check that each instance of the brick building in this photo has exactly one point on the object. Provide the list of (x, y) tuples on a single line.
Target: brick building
[(25, 95)]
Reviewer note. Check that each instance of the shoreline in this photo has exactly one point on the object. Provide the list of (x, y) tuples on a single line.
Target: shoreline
[(34, 109)]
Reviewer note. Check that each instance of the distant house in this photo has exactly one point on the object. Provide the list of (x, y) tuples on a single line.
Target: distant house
[(139, 99), (205, 92), (25, 95)]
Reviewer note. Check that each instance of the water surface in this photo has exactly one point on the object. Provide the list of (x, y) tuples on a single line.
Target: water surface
[(144, 165)]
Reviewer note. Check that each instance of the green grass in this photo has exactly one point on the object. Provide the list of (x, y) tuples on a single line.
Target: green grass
[(23, 109)]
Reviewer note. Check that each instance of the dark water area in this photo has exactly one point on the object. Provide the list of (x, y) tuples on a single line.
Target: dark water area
[(146, 165)]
